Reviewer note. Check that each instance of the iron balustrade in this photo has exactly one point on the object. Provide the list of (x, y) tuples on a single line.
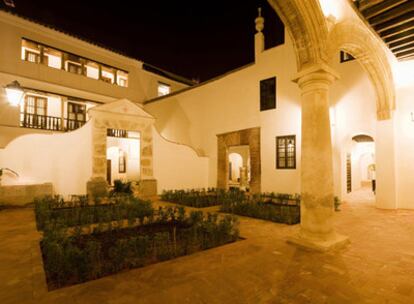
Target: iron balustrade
[(51, 123), (35, 121), (117, 133)]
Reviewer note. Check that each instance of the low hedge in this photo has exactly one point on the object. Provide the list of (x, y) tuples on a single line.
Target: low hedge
[(195, 198), (280, 208), (74, 257), (53, 208)]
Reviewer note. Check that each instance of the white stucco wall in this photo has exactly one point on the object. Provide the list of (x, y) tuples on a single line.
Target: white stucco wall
[(404, 135), (231, 103), (353, 112), (63, 159), (177, 166)]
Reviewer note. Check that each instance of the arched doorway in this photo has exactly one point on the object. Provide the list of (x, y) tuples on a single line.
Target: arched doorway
[(360, 167), (239, 167)]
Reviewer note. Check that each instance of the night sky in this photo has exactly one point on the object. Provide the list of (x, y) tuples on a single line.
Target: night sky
[(195, 39)]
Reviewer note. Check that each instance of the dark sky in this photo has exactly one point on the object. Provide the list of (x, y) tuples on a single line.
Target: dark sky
[(195, 39)]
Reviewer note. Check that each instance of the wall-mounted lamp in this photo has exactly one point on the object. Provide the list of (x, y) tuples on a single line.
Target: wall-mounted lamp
[(14, 93)]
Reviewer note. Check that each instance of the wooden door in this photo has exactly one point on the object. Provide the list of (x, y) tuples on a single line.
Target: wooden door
[(109, 171), (348, 173)]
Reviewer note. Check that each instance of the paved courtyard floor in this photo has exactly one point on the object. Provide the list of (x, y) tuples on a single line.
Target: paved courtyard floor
[(376, 267)]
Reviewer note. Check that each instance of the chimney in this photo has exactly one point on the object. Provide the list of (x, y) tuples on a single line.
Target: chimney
[(259, 40)]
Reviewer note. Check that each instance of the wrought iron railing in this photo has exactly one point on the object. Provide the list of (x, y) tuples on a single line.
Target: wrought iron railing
[(35, 121), (117, 133), (51, 123)]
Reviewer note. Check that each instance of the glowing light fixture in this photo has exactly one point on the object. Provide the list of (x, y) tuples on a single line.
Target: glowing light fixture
[(14, 93)]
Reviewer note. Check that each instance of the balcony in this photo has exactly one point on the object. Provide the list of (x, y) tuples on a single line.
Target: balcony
[(50, 123)]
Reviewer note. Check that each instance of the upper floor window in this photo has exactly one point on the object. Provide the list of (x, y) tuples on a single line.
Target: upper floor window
[(30, 51), (286, 152), (108, 74), (52, 57), (268, 94), (122, 78), (163, 89)]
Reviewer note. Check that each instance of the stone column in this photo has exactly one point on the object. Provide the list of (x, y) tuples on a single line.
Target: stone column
[(147, 184), (317, 205)]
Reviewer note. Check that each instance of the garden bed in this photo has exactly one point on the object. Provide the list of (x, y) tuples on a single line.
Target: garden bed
[(279, 208), (195, 198), (71, 255), (52, 209)]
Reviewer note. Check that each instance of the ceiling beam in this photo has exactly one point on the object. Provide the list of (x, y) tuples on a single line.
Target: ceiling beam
[(406, 57), (401, 43), (365, 4), (395, 22), (398, 11), (397, 30), (405, 53), (404, 49), (381, 7), (399, 36)]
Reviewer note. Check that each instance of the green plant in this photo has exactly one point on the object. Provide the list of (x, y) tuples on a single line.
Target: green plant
[(121, 188), (71, 255), (337, 203)]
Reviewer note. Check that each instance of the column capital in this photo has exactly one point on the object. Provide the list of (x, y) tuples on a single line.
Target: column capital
[(316, 76)]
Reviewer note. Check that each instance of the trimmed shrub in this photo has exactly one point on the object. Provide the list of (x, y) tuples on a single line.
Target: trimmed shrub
[(71, 257)]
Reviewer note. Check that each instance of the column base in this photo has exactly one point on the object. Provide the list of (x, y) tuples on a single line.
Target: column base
[(147, 188), (336, 241)]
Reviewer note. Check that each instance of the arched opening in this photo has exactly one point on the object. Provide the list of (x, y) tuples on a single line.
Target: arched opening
[(239, 167), (362, 173)]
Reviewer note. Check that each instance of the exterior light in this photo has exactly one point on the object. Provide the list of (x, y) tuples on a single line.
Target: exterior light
[(14, 93)]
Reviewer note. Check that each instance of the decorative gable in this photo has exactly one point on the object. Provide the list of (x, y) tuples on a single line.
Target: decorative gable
[(122, 107)]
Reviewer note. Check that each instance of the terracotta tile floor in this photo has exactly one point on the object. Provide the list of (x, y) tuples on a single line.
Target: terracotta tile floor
[(377, 267)]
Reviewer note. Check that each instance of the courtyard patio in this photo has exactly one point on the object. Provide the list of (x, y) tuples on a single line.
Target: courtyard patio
[(377, 267)]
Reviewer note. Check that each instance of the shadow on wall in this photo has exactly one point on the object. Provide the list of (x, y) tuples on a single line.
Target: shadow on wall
[(173, 122), (65, 160)]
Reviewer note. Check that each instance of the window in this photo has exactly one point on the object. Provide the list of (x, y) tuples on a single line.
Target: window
[(268, 94), (344, 57), (92, 70), (108, 74), (30, 51), (52, 58), (73, 64), (286, 152), (76, 115), (38, 53), (122, 78), (122, 162), (34, 111), (163, 89)]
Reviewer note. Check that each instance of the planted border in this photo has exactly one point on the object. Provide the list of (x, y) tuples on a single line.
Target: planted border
[(52, 209), (275, 207), (83, 252), (195, 198)]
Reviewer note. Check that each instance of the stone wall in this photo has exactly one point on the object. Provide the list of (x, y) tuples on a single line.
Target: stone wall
[(250, 137), (24, 194), (121, 115)]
